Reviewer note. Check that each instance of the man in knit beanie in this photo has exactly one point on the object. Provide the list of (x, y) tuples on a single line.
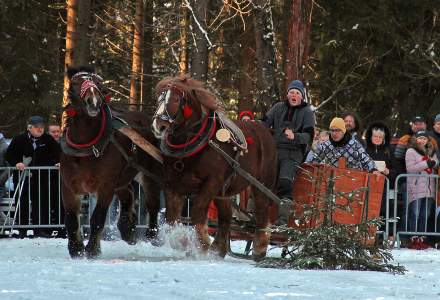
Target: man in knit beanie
[(293, 123)]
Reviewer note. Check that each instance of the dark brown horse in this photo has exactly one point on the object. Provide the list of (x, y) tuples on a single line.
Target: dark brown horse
[(186, 119), (98, 159)]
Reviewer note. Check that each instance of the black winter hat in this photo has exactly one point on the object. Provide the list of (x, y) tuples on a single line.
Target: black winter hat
[(297, 85), (418, 119), (421, 133), (35, 120)]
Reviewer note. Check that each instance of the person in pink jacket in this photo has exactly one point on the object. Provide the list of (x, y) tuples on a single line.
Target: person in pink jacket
[(420, 159)]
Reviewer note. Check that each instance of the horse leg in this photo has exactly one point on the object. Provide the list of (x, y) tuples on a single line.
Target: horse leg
[(127, 215), (174, 205), (72, 206), (261, 239), (199, 213), (152, 198), (97, 222), (224, 213)]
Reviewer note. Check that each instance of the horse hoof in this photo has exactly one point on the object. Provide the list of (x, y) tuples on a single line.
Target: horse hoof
[(127, 230), (217, 250), (76, 249), (258, 256), (129, 236), (151, 234), (93, 253)]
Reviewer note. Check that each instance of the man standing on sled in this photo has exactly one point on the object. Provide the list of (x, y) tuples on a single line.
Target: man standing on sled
[(293, 122)]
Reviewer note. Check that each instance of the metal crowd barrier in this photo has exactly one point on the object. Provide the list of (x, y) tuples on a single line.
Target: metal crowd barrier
[(44, 190), (400, 224), (24, 193)]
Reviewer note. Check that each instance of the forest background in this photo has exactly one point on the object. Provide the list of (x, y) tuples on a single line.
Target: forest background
[(377, 58)]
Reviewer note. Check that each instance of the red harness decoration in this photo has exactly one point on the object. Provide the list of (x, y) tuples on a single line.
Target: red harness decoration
[(94, 140), (187, 111), (249, 140), (70, 112), (199, 147)]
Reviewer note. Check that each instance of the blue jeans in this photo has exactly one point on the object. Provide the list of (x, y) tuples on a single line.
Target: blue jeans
[(419, 212)]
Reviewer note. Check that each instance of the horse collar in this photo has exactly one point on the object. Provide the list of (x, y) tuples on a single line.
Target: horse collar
[(196, 144), (97, 144)]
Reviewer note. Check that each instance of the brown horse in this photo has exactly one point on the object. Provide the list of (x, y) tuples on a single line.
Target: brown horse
[(186, 119), (98, 159)]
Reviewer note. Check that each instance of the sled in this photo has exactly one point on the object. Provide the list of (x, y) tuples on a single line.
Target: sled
[(311, 183)]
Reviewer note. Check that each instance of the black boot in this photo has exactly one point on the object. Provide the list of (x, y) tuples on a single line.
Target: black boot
[(285, 194)]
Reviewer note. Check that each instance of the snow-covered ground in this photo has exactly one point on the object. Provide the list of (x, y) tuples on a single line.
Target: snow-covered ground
[(41, 269)]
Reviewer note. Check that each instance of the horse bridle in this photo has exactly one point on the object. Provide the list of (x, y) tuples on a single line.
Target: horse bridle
[(163, 99), (89, 82)]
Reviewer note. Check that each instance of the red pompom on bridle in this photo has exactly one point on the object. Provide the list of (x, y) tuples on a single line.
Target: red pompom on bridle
[(187, 111), (107, 98), (70, 112)]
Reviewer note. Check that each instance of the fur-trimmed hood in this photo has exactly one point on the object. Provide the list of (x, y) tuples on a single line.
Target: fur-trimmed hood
[(369, 134)]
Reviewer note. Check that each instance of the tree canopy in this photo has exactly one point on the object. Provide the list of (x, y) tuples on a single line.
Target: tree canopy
[(379, 59)]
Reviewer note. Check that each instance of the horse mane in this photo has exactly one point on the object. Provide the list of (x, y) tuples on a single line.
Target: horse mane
[(192, 88)]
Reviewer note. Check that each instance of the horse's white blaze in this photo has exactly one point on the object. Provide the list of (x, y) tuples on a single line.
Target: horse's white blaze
[(161, 109), (167, 96), (95, 99)]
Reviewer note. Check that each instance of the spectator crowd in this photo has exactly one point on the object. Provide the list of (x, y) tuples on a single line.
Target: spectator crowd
[(298, 140)]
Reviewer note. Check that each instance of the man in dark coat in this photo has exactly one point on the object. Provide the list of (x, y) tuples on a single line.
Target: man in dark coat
[(42, 150), (293, 122)]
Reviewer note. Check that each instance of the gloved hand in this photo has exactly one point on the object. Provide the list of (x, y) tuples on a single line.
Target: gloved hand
[(431, 163)]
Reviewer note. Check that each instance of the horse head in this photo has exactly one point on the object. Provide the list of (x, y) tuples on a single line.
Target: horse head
[(86, 92), (182, 103)]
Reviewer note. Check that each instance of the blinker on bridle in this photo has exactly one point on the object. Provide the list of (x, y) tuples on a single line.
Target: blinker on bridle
[(164, 97)]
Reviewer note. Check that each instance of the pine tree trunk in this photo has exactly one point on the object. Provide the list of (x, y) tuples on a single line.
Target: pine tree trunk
[(82, 53), (136, 67), (147, 66), (300, 20), (71, 41), (183, 56), (265, 53), (199, 61), (247, 72)]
